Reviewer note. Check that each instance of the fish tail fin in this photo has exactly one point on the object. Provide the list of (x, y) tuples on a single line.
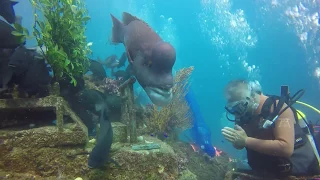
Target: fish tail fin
[(117, 30)]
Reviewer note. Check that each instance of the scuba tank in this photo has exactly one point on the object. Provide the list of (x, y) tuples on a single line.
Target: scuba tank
[(302, 119)]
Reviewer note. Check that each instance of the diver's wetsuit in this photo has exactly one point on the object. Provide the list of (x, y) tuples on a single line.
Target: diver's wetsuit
[(302, 162)]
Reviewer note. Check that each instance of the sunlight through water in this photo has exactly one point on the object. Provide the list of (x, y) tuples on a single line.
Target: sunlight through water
[(228, 31)]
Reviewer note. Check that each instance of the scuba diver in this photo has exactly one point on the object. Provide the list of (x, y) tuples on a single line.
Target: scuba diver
[(268, 127)]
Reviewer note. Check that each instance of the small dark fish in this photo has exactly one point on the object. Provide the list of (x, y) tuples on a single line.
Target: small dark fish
[(28, 72), (5, 74), (151, 58), (20, 59), (6, 53), (82, 101), (100, 153), (7, 11), (122, 60), (111, 61), (36, 76), (121, 75), (92, 100), (97, 70), (165, 135), (8, 40), (67, 89), (40, 52)]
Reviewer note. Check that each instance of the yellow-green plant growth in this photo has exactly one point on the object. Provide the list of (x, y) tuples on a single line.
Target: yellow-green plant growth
[(61, 29), (21, 33), (177, 113)]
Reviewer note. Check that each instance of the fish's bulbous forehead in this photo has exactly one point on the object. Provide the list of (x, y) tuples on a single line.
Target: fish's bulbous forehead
[(165, 51)]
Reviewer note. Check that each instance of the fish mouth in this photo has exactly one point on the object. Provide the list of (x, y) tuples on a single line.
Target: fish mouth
[(159, 96)]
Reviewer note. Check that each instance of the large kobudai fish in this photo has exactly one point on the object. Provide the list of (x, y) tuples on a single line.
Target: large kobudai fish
[(150, 58)]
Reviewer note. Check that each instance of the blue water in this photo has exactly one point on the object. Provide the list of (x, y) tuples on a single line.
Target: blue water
[(277, 52)]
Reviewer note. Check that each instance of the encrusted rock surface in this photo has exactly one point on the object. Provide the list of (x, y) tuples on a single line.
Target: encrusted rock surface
[(155, 164), (119, 132), (231, 175), (48, 136), (46, 153), (43, 151)]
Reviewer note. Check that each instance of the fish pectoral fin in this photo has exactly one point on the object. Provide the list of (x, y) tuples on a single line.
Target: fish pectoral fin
[(129, 56), (13, 2)]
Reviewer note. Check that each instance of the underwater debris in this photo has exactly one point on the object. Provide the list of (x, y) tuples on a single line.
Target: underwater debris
[(146, 146), (58, 103), (128, 112)]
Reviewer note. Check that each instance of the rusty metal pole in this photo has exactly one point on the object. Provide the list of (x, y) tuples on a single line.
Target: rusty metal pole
[(128, 113)]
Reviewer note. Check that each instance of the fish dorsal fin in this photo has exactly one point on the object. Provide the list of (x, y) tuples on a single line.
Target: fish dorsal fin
[(128, 18), (13, 2)]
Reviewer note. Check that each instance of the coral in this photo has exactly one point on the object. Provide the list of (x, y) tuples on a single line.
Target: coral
[(111, 86), (176, 114), (187, 175), (182, 162), (62, 31), (201, 165), (108, 86)]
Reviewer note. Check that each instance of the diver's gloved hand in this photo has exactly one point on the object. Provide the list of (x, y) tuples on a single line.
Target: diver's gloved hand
[(237, 136)]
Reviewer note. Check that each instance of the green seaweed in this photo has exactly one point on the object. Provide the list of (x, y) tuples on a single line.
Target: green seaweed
[(20, 33), (61, 29)]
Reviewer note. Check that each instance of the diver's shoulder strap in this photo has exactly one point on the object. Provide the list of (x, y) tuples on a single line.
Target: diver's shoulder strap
[(272, 100)]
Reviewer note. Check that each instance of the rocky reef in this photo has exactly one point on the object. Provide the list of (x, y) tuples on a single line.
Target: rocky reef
[(46, 153), (232, 175)]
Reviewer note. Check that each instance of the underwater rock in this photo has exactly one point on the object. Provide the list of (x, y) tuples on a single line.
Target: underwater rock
[(200, 164), (187, 175), (46, 153), (231, 175), (119, 132), (48, 136), (43, 151), (24, 176), (145, 164)]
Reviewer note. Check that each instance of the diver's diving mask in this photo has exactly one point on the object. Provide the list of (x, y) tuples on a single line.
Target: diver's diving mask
[(237, 109)]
